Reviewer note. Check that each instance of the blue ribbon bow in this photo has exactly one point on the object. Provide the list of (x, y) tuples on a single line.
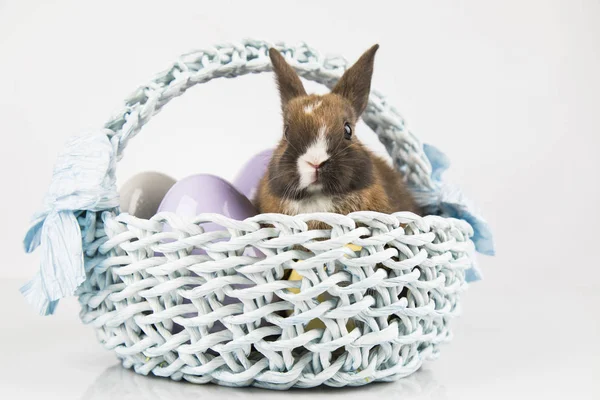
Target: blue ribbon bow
[(83, 179)]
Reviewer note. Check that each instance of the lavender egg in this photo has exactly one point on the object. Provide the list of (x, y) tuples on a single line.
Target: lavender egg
[(141, 194), (250, 175), (205, 193)]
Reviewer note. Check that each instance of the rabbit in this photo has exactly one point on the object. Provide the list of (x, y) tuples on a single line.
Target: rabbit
[(319, 164)]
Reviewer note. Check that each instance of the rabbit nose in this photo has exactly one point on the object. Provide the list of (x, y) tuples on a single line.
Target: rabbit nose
[(317, 165)]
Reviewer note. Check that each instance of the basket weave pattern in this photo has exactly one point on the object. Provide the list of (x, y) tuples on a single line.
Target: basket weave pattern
[(176, 301)]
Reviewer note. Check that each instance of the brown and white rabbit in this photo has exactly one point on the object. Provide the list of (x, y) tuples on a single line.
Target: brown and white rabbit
[(319, 164)]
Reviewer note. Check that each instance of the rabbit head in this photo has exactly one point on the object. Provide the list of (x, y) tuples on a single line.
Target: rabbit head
[(319, 153)]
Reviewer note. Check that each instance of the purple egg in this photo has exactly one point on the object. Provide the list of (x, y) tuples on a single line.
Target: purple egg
[(202, 193), (251, 173), (205, 193)]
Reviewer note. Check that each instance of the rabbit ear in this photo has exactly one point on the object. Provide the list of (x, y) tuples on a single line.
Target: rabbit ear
[(355, 84), (290, 85)]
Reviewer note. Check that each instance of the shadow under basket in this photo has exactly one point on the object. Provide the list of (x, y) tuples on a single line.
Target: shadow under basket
[(371, 298)]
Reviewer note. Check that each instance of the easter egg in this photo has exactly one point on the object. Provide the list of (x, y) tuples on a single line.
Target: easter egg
[(202, 193), (205, 193), (318, 323), (141, 194), (251, 173)]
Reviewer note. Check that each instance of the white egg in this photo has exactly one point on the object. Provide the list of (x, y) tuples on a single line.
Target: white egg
[(141, 194)]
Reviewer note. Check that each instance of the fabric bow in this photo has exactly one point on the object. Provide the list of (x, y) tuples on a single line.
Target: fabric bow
[(447, 200), (83, 179)]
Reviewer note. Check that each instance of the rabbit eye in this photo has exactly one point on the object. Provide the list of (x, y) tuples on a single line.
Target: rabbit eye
[(347, 131), (285, 131)]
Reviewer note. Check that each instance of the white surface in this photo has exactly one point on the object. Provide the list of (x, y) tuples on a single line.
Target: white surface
[(509, 90)]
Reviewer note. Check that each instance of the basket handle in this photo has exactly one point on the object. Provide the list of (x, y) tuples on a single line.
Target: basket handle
[(84, 175), (251, 56)]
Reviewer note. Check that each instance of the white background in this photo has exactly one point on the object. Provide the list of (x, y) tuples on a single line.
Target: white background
[(509, 90)]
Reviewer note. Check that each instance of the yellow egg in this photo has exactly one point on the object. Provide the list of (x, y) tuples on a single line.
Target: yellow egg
[(317, 323), (354, 247)]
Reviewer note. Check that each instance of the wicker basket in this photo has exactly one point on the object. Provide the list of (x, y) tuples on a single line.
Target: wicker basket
[(384, 305)]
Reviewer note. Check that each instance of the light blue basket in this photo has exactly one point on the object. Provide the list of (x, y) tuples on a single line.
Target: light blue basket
[(384, 309)]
